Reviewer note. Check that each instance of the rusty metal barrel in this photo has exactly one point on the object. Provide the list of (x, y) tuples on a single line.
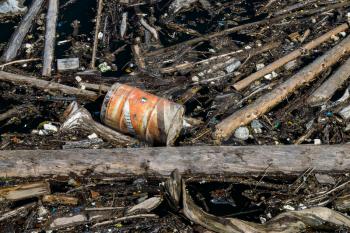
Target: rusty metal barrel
[(150, 118)]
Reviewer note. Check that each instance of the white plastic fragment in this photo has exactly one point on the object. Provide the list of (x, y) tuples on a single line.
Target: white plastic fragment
[(29, 48), (268, 77), (78, 79), (317, 141), (288, 207), (104, 67), (42, 211), (343, 34), (50, 128), (67, 64), (257, 126), (233, 66), (12, 7), (260, 66), (242, 133), (92, 136)]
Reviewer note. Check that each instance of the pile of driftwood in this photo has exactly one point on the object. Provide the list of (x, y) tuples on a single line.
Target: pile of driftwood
[(132, 74)]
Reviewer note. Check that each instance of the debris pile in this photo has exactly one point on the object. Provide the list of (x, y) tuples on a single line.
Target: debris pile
[(141, 73)]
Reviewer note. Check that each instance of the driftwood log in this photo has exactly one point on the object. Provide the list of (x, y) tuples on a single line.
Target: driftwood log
[(289, 57), (331, 85), (191, 161), (21, 31), (50, 37), (266, 102), (46, 85)]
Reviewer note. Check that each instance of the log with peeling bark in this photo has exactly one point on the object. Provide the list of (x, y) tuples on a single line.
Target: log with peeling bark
[(266, 102), (330, 86), (191, 161), (47, 85), (21, 31), (50, 37), (289, 57)]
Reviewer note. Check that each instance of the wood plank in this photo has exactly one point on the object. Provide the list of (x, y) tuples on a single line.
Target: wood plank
[(24, 191), (202, 161)]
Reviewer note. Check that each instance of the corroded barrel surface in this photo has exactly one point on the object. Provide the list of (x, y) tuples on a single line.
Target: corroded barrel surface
[(148, 117)]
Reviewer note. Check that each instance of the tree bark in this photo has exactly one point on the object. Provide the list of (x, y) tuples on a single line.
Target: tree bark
[(190, 161), (50, 37), (21, 31), (266, 102)]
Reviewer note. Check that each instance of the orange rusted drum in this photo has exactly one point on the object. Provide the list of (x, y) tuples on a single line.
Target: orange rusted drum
[(146, 116)]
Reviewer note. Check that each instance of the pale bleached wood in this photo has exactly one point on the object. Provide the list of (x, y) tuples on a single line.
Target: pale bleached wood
[(197, 161), (21, 31), (50, 37)]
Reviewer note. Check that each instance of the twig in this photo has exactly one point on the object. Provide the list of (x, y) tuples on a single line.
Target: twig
[(132, 217), (2, 66), (289, 57), (97, 30)]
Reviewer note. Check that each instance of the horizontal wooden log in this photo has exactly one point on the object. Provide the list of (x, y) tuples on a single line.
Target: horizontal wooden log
[(193, 161), (46, 85)]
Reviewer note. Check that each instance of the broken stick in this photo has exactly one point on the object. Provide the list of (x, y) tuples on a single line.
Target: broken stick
[(21, 31), (97, 31), (50, 37), (330, 86), (289, 57), (266, 102), (46, 85)]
